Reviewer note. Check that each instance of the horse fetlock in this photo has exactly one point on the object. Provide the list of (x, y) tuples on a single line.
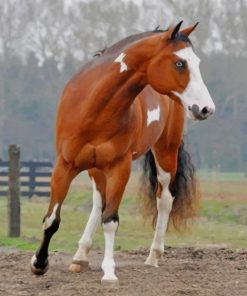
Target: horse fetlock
[(39, 267), (81, 255), (154, 256), (108, 267), (109, 272)]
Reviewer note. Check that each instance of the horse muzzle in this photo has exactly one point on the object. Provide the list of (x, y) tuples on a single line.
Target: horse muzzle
[(202, 114)]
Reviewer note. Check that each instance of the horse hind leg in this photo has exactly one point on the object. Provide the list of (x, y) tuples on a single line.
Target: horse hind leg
[(61, 178), (80, 260), (164, 207)]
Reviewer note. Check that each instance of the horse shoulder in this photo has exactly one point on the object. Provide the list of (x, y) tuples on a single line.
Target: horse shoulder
[(151, 114), (172, 134)]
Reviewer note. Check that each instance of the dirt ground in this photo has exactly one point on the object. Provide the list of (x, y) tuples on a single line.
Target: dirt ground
[(182, 271)]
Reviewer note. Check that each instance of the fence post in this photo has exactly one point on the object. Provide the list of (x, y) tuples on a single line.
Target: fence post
[(14, 191)]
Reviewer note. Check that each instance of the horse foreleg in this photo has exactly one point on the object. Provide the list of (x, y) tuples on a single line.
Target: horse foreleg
[(80, 260), (164, 206), (117, 177), (61, 178)]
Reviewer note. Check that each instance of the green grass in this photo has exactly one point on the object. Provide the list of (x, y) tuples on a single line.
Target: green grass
[(222, 222), (219, 176)]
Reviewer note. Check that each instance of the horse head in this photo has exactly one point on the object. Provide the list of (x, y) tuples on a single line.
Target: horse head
[(174, 70)]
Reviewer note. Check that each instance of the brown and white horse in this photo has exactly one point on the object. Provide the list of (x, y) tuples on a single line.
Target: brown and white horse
[(114, 111)]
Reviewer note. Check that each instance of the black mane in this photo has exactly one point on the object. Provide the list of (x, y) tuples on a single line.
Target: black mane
[(127, 40), (133, 38)]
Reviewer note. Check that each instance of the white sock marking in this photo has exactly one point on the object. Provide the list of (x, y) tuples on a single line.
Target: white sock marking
[(108, 264), (49, 220), (164, 206), (153, 115), (119, 59), (33, 260), (85, 242)]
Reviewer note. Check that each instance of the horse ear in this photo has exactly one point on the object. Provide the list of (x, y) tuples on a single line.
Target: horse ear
[(175, 31), (189, 30)]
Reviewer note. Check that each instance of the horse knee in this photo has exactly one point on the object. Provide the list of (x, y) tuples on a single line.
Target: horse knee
[(164, 203), (51, 222)]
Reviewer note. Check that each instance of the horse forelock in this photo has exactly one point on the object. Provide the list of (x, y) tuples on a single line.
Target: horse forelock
[(181, 37)]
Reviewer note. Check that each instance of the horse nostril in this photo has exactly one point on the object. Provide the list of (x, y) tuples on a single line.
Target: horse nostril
[(205, 111)]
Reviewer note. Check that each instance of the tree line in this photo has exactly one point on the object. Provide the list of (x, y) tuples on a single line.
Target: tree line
[(43, 43)]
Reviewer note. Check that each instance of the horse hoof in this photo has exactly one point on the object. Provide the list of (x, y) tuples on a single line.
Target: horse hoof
[(111, 283), (78, 266), (151, 262), (38, 271)]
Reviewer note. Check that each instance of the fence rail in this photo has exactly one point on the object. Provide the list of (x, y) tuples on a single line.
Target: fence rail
[(34, 176)]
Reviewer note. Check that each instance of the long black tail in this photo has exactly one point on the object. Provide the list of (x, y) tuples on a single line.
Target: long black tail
[(183, 188)]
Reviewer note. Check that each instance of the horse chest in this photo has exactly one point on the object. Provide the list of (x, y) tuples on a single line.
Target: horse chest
[(99, 155)]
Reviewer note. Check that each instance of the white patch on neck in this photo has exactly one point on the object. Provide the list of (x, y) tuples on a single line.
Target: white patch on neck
[(153, 115), (49, 220), (119, 59), (196, 91)]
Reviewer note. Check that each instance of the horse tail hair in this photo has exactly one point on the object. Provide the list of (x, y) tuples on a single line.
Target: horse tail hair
[(183, 188), (149, 185)]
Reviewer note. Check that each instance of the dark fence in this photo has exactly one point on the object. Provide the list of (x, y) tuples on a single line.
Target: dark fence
[(34, 178)]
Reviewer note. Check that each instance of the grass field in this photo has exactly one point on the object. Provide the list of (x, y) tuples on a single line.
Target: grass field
[(223, 218)]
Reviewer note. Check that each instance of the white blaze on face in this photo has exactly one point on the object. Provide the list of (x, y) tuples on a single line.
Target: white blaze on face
[(119, 59), (49, 220), (196, 92), (153, 115)]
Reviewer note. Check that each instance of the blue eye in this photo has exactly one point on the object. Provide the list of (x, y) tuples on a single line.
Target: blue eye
[(180, 64)]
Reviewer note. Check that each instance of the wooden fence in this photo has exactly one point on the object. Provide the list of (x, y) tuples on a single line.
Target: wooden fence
[(22, 178), (34, 178)]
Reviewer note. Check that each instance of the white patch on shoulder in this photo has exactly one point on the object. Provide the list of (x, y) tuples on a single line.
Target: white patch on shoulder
[(49, 220), (153, 115), (119, 59)]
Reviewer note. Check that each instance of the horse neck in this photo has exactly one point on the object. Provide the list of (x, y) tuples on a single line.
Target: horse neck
[(126, 76)]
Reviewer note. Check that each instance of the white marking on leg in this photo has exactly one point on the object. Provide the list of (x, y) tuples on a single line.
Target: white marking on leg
[(33, 260), (108, 264), (49, 220), (119, 59), (153, 115), (85, 242), (164, 206)]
